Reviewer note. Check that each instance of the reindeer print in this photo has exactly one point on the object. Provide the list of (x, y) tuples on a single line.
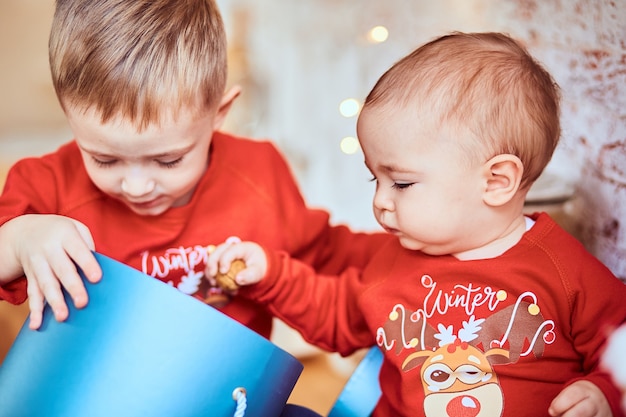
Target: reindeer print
[(457, 377), (458, 367)]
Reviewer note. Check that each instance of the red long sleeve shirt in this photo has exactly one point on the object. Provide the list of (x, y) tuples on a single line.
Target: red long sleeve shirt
[(499, 336), (247, 191)]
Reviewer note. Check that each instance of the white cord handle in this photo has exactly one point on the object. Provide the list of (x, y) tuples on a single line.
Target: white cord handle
[(239, 395)]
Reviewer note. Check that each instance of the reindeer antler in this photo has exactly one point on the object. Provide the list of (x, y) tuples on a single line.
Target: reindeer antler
[(470, 329), (445, 335)]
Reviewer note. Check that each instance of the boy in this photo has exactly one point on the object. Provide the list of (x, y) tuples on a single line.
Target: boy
[(149, 180), (478, 309)]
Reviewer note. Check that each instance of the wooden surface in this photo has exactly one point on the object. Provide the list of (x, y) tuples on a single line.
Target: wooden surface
[(319, 385), (11, 320)]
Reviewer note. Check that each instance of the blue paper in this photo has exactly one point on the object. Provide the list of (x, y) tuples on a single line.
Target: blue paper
[(142, 348), (362, 391)]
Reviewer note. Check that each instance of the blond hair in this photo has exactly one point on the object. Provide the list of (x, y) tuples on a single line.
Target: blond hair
[(138, 58), (486, 86)]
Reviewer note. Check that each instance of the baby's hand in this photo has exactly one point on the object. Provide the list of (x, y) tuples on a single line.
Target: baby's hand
[(252, 269), (613, 360), (47, 249), (580, 399)]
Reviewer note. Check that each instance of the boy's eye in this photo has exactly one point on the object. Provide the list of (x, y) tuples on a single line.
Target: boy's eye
[(402, 186), (103, 162), (170, 164), (110, 162)]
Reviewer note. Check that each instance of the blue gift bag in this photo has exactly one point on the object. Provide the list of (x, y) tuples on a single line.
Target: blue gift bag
[(142, 348), (362, 391)]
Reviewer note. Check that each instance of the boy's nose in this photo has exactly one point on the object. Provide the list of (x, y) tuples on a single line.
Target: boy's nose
[(137, 186)]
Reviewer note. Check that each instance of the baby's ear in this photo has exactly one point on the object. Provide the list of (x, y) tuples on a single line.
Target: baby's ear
[(503, 175)]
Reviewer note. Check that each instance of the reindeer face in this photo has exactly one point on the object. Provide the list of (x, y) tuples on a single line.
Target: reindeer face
[(459, 381), (482, 401), (455, 367)]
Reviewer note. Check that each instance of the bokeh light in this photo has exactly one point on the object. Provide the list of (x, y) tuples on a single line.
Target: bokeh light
[(349, 145), (349, 107), (378, 34)]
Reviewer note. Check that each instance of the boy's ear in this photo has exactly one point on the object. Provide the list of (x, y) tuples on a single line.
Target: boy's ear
[(503, 175), (222, 111)]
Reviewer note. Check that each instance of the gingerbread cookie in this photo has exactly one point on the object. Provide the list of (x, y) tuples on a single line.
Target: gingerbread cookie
[(227, 281)]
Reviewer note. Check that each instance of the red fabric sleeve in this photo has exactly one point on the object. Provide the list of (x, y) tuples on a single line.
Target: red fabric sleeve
[(14, 292), (594, 316), (323, 308), (309, 235)]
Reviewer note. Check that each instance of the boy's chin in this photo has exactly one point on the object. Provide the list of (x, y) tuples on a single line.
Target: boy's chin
[(148, 210)]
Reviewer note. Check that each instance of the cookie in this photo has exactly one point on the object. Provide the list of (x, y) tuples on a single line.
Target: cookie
[(227, 281)]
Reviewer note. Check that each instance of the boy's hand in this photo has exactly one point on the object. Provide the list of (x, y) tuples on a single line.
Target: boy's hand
[(48, 249), (250, 253), (581, 399)]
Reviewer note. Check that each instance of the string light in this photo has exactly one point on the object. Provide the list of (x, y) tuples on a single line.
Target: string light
[(349, 107), (349, 145), (378, 34)]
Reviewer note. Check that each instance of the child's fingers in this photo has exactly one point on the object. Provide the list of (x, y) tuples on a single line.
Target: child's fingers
[(79, 251), (226, 280), (582, 398), (54, 296), (63, 268), (85, 260), (222, 261), (43, 283), (213, 260), (67, 275), (85, 234), (35, 319), (230, 254), (248, 276), (36, 304), (220, 258), (42, 291)]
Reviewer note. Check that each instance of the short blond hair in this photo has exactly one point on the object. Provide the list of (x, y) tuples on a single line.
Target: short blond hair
[(486, 86), (138, 58)]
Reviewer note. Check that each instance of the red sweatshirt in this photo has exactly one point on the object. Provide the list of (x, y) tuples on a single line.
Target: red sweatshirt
[(492, 337), (247, 191)]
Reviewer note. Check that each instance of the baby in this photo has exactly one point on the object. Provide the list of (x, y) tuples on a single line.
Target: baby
[(479, 309)]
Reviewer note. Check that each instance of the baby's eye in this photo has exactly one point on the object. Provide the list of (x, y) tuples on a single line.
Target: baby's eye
[(170, 164), (402, 185)]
